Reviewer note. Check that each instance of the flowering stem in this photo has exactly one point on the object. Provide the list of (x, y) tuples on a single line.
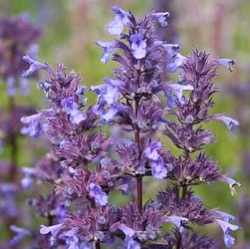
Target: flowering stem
[(139, 193), (139, 178), (13, 141), (97, 244)]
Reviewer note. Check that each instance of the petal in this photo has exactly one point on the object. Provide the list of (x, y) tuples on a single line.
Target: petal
[(77, 116), (34, 65), (229, 63), (159, 170), (50, 229), (229, 122), (178, 89), (161, 17), (152, 151), (138, 46), (226, 227), (232, 183), (95, 191), (126, 230), (171, 48), (176, 220)]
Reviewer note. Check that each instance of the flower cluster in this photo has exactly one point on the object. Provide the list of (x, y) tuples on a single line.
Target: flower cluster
[(147, 109)]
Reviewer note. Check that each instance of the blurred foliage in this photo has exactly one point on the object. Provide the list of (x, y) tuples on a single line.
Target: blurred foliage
[(71, 28)]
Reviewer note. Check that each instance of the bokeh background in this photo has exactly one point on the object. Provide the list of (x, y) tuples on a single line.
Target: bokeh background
[(70, 29)]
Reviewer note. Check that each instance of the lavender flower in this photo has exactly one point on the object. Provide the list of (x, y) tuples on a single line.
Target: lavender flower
[(161, 17), (121, 19), (138, 46), (34, 65), (108, 49), (96, 192)]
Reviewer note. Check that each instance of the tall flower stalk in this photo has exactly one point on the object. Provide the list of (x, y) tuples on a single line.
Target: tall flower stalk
[(17, 38), (139, 103)]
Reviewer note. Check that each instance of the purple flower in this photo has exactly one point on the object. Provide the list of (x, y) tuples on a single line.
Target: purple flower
[(108, 48), (226, 228), (178, 61), (131, 244), (171, 48), (109, 114), (77, 116), (159, 170), (178, 89), (69, 104), (72, 240), (81, 91), (54, 229), (96, 192), (232, 183), (176, 220), (161, 18), (34, 128), (20, 233), (34, 65), (229, 63), (109, 92), (229, 122), (129, 232), (152, 151), (71, 107), (121, 18), (138, 46)]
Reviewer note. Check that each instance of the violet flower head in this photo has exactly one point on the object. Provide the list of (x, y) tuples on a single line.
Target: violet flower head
[(121, 18)]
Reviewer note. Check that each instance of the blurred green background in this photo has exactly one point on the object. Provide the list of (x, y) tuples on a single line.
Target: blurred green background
[(221, 27)]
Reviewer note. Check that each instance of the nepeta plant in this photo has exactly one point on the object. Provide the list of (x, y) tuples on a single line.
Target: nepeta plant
[(18, 37), (85, 164)]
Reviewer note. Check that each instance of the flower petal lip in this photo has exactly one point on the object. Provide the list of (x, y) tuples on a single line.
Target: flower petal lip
[(116, 26), (34, 65), (138, 46), (229, 63), (50, 229), (161, 17)]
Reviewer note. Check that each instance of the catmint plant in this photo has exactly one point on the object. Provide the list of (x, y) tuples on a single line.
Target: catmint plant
[(145, 110), (18, 37)]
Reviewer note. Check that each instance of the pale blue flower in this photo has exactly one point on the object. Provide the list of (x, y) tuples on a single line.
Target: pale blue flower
[(159, 170), (117, 24), (162, 18), (108, 49), (138, 46), (226, 228), (96, 192), (229, 63), (34, 65), (34, 128), (152, 151)]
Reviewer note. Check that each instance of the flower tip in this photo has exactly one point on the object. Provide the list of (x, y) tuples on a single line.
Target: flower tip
[(229, 63)]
